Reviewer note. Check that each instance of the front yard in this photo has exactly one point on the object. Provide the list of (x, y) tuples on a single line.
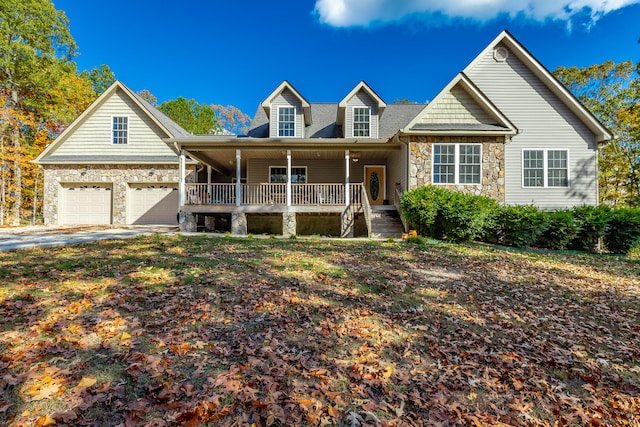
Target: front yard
[(219, 331)]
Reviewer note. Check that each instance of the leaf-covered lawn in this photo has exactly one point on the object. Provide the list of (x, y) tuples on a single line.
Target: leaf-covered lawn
[(165, 331)]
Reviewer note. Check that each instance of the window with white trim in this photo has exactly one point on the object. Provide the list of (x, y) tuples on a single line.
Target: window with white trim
[(120, 129), (457, 164), (278, 174), (361, 121), (286, 121), (545, 168)]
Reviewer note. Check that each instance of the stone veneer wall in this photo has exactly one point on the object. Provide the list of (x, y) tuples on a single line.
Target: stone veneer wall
[(119, 176), (420, 172)]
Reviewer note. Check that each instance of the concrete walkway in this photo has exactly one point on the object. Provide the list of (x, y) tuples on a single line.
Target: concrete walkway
[(40, 236)]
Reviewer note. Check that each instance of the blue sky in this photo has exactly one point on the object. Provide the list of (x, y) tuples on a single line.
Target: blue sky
[(237, 52)]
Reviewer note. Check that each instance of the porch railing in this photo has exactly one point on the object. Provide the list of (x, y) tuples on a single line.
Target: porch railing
[(273, 194), (366, 207), (397, 202), (264, 194), (210, 194)]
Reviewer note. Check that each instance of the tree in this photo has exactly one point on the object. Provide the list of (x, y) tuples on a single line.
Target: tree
[(232, 119), (36, 49), (101, 78), (148, 96), (199, 119), (612, 92)]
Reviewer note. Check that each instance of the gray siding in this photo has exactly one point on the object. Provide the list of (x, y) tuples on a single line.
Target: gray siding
[(396, 172), (94, 137), (456, 106), (286, 99), (544, 122), (361, 99)]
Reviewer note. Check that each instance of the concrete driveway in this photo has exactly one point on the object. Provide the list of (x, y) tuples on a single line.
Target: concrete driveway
[(41, 236)]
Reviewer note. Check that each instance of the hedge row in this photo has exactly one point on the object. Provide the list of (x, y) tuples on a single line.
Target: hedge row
[(448, 215)]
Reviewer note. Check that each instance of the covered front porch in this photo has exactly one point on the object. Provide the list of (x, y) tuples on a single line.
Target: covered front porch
[(289, 179)]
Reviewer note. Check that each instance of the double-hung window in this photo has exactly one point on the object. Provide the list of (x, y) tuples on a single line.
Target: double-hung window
[(545, 168), (120, 130), (457, 164), (278, 174), (361, 121), (286, 121)]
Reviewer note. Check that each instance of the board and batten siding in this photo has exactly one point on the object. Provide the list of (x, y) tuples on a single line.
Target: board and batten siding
[(456, 106), (361, 99), (544, 122), (94, 136), (286, 99), (318, 171)]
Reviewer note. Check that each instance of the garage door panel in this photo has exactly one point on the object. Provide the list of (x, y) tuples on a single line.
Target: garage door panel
[(153, 204), (86, 205)]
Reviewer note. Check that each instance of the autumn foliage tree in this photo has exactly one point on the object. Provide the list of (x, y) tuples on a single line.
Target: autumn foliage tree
[(612, 92), (36, 73)]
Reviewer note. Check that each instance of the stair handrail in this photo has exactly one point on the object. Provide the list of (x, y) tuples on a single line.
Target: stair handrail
[(398, 205), (366, 208)]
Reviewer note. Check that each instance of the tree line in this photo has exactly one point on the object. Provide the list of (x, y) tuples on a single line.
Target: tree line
[(42, 91)]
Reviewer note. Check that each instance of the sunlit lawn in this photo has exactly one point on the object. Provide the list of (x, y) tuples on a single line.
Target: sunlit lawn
[(220, 331)]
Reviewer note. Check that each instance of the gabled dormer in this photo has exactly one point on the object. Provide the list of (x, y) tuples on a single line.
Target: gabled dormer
[(288, 112), (359, 112)]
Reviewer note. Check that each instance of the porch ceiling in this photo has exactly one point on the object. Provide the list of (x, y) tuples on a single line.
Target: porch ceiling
[(225, 159)]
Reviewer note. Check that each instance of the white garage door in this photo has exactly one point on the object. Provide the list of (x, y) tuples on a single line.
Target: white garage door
[(86, 204), (153, 204)]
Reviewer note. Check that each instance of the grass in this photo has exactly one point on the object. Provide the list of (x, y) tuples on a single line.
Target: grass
[(227, 331)]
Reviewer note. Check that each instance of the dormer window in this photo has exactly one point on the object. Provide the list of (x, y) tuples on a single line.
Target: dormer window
[(120, 130), (286, 121), (361, 121)]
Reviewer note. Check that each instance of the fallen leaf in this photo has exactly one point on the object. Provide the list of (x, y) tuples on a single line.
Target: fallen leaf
[(86, 382)]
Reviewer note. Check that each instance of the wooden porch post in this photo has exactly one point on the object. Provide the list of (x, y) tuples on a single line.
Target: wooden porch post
[(209, 192), (238, 177), (347, 195), (183, 194), (288, 177)]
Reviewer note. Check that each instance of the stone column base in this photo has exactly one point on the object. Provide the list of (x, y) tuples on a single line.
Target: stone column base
[(347, 219), (239, 223), (289, 225), (187, 221)]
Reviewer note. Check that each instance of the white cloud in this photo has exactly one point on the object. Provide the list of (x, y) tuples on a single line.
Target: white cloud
[(347, 13)]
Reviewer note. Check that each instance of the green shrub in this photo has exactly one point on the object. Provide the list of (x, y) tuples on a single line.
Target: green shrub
[(594, 223), (465, 217), (624, 230), (420, 208), (450, 215), (520, 226), (561, 228)]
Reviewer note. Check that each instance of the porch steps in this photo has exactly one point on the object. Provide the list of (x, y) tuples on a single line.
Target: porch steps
[(385, 223)]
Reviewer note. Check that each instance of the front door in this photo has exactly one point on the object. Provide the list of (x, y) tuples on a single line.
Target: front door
[(375, 182)]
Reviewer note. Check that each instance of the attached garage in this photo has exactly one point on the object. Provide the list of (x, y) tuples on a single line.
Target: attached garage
[(84, 204), (152, 204)]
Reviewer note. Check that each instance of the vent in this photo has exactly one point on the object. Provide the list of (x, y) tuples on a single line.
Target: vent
[(500, 54)]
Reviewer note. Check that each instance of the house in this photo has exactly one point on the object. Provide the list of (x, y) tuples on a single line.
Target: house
[(504, 127)]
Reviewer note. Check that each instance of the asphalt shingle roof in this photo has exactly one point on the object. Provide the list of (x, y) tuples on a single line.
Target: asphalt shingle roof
[(393, 118), (458, 126)]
